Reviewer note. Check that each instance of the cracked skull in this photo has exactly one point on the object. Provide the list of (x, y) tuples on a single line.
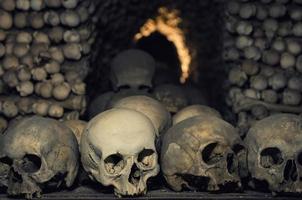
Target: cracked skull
[(40, 152), (118, 149), (275, 153), (133, 69), (211, 151)]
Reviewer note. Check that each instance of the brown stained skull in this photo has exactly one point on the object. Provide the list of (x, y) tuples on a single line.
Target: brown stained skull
[(132, 69), (275, 152), (202, 153), (41, 152), (118, 149)]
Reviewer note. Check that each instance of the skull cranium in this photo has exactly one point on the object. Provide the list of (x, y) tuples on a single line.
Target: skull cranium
[(211, 153), (118, 149), (40, 152), (133, 69), (275, 152)]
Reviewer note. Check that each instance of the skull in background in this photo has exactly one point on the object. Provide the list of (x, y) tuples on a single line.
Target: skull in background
[(171, 96), (203, 153), (41, 152), (118, 149), (153, 109), (132, 69), (194, 110), (106, 100), (275, 153)]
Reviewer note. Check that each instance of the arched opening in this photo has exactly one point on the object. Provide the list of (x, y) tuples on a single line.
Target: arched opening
[(167, 22), (165, 53)]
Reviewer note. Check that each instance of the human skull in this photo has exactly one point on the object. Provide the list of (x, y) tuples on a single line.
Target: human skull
[(118, 149), (275, 152), (40, 152), (133, 69), (150, 107), (172, 96), (202, 153), (194, 110)]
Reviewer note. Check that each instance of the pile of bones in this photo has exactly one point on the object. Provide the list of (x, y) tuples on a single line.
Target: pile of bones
[(263, 48), (138, 129), (136, 133)]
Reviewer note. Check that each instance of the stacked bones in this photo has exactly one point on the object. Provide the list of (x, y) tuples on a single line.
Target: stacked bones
[(118, 148), (263, 49), (44, 56)]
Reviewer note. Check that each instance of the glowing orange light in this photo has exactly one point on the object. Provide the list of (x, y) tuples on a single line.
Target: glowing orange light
[(167, 23)]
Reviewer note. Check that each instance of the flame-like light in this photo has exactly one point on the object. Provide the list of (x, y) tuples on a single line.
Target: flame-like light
[(167, 23)]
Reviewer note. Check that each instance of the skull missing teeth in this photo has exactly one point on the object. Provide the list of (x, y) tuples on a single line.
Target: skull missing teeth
[(275, 153), (133, 69), (211, 153), (40, 152), (118, 149)]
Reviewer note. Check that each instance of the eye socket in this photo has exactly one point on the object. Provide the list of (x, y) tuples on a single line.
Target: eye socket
[(144, 87), (31, 163), (146, 158), (6, 160), (212, 153), (123, 87), (114, 163), (299, 158), (270, 157)]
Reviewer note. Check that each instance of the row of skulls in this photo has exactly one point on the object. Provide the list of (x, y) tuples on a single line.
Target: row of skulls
[(125, 146)]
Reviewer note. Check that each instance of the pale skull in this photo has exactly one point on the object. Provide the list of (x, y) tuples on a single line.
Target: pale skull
[(172, 96), (133, 69), (194, 110), (153, 109), (118, 149), (275, 153), (202, 153), (41, 152)]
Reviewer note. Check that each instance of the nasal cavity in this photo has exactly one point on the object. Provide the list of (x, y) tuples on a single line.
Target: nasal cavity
[(290, 171), (134, 175), (230, 163)]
